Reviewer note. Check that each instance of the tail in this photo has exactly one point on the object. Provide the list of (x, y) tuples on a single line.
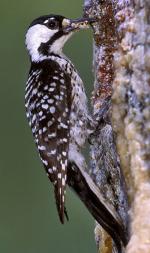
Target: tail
[(104, 214), (60, 202)]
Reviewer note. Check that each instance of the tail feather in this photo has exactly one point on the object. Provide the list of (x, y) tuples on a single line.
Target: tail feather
[(104, 214), (60, 203)]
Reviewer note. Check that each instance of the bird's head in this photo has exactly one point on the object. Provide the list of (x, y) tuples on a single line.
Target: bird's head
[(48, 34)]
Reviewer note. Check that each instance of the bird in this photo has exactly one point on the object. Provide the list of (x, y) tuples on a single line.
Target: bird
[(57, 112)]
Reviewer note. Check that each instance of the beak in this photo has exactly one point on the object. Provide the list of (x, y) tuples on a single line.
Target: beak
[(71, 25)]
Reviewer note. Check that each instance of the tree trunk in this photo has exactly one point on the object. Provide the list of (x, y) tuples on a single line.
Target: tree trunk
[(121, 100)]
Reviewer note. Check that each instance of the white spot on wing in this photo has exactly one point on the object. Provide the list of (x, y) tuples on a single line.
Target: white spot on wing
[(45, 106), (63, 198), (63, 182), (51, 89), (62, 81), (50, 101), (45, 162), (59, 175), (52, 109), (41, 148), (53, 84), (50, 171), (52, 152), (40, 113), (44, 129), (52, 135), (63, 125)]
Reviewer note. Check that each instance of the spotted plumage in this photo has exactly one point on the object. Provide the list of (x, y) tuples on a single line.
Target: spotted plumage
[(55, 102), (48, 105), (57, 113), (56, 108)]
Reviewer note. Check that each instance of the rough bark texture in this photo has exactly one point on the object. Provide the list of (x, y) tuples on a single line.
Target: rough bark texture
[(131, 122), (121, 99), (105, 165)]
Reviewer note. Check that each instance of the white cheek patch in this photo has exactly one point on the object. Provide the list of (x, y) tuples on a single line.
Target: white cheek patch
[(59, 43), (35, 36)]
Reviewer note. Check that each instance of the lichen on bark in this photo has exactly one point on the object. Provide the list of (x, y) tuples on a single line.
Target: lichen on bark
[(131, 122), (121, 99)]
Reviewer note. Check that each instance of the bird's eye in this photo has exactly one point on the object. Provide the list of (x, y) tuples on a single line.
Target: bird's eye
[(52, 24)]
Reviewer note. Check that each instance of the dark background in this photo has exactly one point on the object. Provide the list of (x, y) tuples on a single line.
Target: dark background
[(28, 217)]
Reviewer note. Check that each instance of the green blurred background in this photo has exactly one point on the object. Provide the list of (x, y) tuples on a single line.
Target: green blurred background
[(28, 217)]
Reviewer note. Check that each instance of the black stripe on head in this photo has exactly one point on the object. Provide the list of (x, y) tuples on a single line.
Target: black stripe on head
[(40, 20), (45, 47), (46, 21)]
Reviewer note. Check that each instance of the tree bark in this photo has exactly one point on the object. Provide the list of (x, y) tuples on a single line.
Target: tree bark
[(120, 146)]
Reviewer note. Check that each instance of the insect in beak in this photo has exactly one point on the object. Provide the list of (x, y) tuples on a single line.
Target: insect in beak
[(71, 25)]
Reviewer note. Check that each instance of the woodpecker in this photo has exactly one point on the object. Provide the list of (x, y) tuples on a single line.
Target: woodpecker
[(56, 108)]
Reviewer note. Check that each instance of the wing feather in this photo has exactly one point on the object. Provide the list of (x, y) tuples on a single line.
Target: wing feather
[(52, 105)]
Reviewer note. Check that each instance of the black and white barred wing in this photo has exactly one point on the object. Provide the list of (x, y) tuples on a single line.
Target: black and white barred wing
[(49, 117)]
